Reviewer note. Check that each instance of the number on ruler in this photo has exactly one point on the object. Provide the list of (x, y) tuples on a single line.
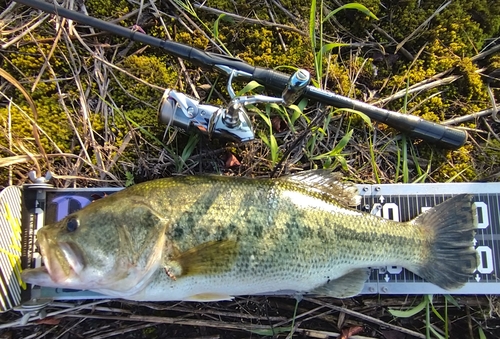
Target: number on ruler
[(483, 220), (484, 252), (394, 269), (485, 260), (391, 211)]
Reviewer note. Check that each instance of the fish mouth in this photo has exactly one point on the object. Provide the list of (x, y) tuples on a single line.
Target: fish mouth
[(63, 260)]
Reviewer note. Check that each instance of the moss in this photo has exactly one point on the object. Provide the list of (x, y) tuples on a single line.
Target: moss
[(261, 46), (108, 8), (456, 166), (28, 59), (195, 39), (133, 112), (51, 119), (471, 84), (151, 69)]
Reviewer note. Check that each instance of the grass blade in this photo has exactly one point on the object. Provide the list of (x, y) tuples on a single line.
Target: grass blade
[(411, 312), (338, 148), (451, 300), (312, 25), (216, 24), (362, 115), (436, 333), (249, 87), (404, 146), (481, 333), (353, 5)]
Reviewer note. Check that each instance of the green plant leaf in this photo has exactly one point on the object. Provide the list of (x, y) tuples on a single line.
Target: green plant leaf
[(411, 312), (451, 300), (264, 117), (249, 87), (373, 160), (404, 148), (481, 333), (264, 139), (189, 148), (302, 104), (343, 162), (362, 115), (129, 176), (297, 112), (274, 149), (436, 333), (353, 5), (273, 106), (328, 47), (436, 313), (337, 149), (343, 142), (216, 25), (312, 24)]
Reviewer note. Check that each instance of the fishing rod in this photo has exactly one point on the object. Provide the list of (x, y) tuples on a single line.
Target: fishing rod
[(232, 122)]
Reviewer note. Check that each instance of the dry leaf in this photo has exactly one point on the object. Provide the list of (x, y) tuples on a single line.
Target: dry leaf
[(278, 124), (350, 331), (49, 321), (232, 161)]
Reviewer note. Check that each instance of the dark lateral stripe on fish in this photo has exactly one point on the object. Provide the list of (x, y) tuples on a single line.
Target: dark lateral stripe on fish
[(187, 220)]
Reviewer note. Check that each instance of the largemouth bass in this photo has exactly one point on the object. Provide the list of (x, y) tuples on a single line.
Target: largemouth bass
[(207, 238)]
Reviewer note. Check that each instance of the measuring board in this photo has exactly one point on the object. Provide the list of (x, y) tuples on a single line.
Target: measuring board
[(396, 201), (10, 248)]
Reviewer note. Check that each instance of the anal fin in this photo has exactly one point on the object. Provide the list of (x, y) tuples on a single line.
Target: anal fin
[(205, 297), (346, 286)]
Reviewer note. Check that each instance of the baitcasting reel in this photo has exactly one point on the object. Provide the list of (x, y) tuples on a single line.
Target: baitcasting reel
[(231, 122)]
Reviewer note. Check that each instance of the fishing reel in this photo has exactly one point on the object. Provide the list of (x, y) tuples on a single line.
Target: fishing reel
[(230, 122)]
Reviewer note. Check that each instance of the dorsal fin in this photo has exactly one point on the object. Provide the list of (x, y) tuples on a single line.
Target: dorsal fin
[(329, 183)]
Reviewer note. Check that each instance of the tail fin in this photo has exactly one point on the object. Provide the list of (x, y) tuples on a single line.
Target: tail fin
[(452, 257)]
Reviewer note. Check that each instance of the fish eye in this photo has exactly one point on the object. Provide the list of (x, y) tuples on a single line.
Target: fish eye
[(72, 224)]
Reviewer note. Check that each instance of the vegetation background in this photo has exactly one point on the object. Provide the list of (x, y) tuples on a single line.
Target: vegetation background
[(97, 95), (96, 98)]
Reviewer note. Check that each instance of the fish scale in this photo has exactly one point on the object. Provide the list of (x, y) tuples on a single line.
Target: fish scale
[(213, 237)]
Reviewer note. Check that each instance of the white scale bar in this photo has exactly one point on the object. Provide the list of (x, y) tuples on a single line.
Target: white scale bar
[(9, 284)]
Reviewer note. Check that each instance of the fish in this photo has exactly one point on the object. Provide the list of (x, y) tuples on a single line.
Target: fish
[(215, 237)]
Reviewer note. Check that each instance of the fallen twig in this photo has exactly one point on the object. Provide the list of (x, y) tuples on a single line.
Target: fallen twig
[(469, 117), (121, 330), (366, 318), (422, 25)]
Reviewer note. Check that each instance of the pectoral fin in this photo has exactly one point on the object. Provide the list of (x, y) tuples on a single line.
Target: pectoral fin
[(346, 286), (208, 258)]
